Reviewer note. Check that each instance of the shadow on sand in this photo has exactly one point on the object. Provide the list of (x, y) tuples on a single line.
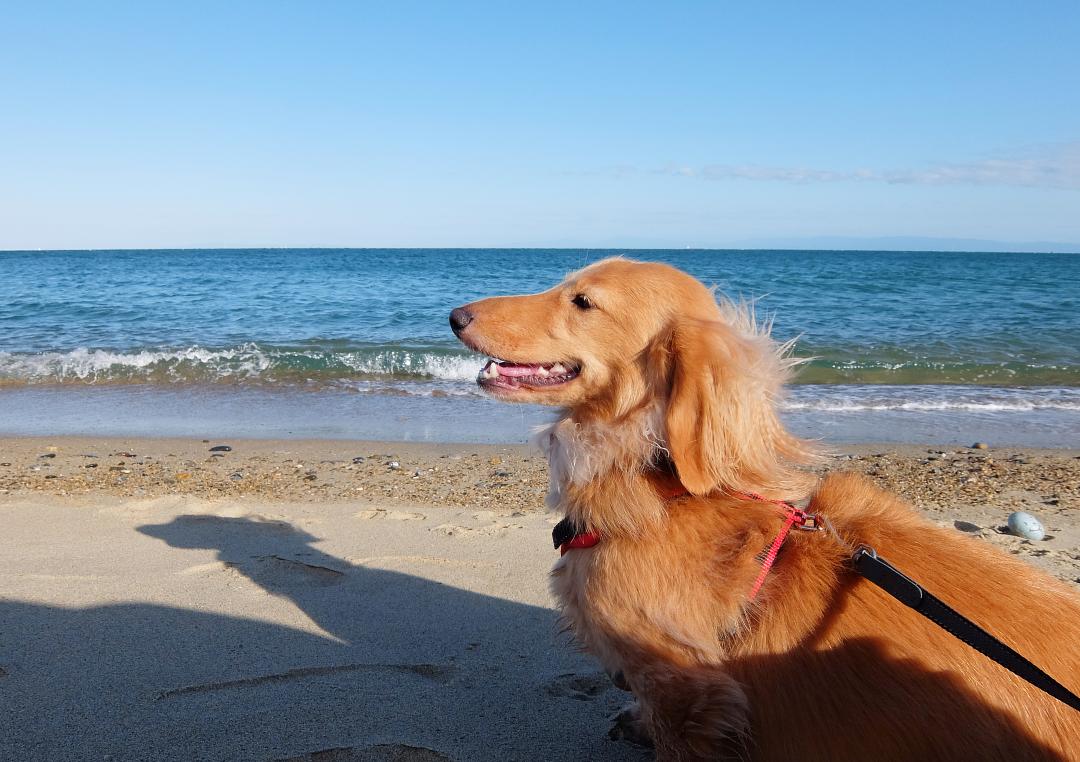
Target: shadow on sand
[(404, 669), (396, 667)]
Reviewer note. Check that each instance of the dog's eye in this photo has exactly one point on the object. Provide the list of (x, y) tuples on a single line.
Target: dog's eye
[(582, 302)]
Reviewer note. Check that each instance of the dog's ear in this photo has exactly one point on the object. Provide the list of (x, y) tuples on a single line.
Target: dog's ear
[(722, 429)]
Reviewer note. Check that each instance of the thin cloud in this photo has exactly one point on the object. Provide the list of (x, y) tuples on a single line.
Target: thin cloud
[(1050, 167)]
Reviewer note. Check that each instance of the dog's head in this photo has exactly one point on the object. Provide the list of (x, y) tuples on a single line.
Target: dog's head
[(620, 337)]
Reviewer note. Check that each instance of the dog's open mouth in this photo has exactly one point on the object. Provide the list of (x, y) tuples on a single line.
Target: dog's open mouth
[(502, 374)]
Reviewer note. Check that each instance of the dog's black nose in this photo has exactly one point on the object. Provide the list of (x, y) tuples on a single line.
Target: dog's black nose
[(460, 318)]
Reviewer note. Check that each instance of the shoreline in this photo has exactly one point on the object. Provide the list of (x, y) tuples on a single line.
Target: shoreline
[(947, 416), (954, 486)]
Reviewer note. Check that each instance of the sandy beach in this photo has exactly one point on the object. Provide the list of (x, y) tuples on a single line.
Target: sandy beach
[(343, 600)]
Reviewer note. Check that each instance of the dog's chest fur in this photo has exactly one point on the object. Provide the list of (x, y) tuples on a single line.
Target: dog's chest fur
[(587, 467), (612, 594)]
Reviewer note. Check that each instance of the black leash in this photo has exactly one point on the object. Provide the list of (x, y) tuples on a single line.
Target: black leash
[(907, 591)]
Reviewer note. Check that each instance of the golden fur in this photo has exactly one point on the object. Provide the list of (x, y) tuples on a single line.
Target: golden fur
[(822, 665)]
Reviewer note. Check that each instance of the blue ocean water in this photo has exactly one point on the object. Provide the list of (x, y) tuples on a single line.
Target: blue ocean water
[(989, 336)]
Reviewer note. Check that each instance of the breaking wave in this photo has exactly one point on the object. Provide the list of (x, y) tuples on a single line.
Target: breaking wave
[(249, 362), (447, 371), (927, 398)]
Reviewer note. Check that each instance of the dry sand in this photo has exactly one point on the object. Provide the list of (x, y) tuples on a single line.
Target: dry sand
[(308, 600)]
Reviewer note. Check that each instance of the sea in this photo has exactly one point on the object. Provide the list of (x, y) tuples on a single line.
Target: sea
[(917, 347)]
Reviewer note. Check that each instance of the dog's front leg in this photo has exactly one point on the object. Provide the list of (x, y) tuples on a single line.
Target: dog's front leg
[(692, 713)]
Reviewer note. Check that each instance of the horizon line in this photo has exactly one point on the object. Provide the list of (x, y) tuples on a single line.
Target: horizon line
[(786, 248)]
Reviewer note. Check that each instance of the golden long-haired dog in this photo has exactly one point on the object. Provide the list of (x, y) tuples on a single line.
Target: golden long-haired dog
[(668, 426)]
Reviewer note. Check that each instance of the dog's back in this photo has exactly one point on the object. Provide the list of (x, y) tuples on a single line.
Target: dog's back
[(824, 665), (872, 676)]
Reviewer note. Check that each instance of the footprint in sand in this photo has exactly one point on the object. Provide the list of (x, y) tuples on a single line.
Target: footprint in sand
[(491, 530), (389, 752), (408, 561), (580, 687), (270, 570), (213, 566), (382, 513)]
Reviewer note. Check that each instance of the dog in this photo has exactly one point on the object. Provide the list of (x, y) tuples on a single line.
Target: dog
[(667, 459)]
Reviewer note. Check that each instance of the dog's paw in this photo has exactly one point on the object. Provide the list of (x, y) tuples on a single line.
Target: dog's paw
[(581, 687), (627, 726)]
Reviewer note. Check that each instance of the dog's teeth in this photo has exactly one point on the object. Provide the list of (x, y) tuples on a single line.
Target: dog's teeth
[(558, 369), (490, 371), (543, 372)]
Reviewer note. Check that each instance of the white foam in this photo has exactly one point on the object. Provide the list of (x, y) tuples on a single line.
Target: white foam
[(986, 407), (246, 361), (406, 362), (99, 364), (929, 398)]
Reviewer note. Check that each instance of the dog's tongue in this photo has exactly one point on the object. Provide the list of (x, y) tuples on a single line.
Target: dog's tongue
[(517, 371)]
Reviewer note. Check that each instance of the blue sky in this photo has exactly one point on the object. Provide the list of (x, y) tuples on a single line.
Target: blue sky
[(536, 124)]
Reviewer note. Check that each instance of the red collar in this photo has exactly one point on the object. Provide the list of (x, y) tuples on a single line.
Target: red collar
[(567, 536), (582, 540)]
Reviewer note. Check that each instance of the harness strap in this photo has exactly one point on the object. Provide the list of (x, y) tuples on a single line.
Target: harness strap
[(894, 582), (795, 517)]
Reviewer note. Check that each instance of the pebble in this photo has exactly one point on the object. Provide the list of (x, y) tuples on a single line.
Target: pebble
[(359, 459), (220, 448), (394, 465), (980, 446), (48, 455), (1025, 525)]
